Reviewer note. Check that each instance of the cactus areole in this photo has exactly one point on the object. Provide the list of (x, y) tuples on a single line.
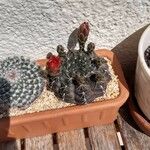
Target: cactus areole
[(78, 76)]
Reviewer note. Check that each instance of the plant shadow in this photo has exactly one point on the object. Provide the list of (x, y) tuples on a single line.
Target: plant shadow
[(73, 39), (127, 53)]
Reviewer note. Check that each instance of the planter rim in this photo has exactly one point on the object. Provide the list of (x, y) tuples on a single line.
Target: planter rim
[(141, 51)]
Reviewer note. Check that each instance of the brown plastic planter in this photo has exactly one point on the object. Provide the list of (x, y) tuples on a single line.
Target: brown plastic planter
[(138, 116), (63, 119)]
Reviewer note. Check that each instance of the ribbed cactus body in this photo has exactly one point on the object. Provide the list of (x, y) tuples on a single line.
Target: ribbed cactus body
[(82, 75), (20, 82)]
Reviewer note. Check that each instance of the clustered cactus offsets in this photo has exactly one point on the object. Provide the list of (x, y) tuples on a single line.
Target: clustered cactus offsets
[(20, 82), (78, 76)]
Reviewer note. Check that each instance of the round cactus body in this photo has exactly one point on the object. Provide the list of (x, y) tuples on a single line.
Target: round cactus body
[(20, 82)]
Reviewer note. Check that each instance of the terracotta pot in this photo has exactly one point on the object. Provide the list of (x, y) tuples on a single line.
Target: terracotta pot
[(72, 117), (142, 122), (142, 78)]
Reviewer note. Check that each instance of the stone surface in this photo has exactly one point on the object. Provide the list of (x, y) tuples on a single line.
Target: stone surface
[(33, 28)]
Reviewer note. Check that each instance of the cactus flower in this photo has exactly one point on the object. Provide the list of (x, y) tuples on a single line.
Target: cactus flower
[(53, 64)]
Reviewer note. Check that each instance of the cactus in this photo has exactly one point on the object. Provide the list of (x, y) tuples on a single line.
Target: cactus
[(81, 76), (147, 56), (20, 82)]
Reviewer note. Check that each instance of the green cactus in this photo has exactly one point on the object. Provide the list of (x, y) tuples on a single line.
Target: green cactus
[(20, 82), (82, 75)]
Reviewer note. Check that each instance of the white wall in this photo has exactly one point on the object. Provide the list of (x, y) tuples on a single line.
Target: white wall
[(35, 27)]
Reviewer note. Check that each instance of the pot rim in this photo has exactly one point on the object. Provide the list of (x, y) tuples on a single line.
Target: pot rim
[(141, 52)]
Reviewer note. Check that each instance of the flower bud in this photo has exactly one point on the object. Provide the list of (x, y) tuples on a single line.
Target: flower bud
[(83, 32)]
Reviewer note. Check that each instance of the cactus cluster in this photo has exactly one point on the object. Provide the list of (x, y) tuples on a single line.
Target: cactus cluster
[(20, 82), (147, 56), (78, 76)]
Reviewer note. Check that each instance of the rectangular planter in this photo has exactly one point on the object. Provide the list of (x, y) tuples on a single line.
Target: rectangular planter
[(72, 117)]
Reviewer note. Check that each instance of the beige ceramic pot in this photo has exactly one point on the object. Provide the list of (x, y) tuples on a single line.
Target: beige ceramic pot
[(142, 78)]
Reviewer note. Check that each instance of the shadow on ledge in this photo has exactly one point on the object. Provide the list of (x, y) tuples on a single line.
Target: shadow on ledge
[(127, 52)]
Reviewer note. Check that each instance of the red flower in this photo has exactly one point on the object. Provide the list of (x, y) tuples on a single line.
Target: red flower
[(53, 64)]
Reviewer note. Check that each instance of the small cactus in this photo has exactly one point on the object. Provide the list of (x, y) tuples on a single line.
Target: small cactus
[(81, 75), (147, 56), (20, 82)]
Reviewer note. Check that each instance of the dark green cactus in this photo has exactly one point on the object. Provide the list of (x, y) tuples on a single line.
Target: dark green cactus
[(82, 76), (20, 82)]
